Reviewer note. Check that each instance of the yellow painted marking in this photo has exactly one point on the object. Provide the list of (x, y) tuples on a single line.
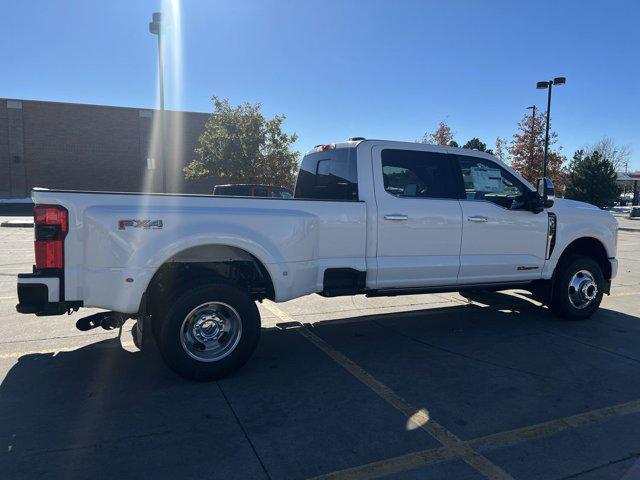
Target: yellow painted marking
[(416, 460), (403, 463), (419, 418), (8, 298), (552, 427)]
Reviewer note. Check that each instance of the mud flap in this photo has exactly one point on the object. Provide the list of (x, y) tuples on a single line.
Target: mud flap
[(141, 333)]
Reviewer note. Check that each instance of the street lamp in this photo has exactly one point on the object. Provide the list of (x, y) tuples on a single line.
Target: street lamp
[(533, 131), (155, 28), (542, 86)]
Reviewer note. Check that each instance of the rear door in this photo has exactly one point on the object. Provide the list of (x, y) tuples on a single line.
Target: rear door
[(502, 240), (418, 215)]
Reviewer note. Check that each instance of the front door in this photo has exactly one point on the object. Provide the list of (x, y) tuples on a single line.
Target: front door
[(418, 215), (502, 240)]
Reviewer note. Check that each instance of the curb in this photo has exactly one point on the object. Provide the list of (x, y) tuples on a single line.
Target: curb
[(16, 224)]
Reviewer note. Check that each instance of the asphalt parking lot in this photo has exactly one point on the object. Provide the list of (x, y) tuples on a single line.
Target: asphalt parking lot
[(428, 386)]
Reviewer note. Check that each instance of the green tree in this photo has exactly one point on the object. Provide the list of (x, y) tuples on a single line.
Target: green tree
[(475, 144), (453, 143), (240, 145), (592, 179)]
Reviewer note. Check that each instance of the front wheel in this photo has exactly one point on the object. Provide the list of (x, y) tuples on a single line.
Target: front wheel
[(578, 288), (209, 331)]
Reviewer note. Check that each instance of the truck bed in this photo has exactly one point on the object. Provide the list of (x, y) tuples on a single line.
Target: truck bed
[(117, 241)]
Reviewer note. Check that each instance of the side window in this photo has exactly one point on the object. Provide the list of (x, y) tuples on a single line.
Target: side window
[(485, 180), (416, 174), (328, 175)]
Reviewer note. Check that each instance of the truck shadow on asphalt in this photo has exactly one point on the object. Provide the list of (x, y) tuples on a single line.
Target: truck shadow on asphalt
[(103, 411)]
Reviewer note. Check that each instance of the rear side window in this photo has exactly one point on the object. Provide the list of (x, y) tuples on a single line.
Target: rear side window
[(328, 175), (416, 174)]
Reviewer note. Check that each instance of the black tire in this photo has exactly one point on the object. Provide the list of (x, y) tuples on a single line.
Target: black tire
[(174, 348), (561, 303)]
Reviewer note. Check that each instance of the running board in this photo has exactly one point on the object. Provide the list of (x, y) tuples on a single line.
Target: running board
[(392, 292)]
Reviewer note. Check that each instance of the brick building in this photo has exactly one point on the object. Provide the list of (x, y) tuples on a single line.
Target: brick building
[(94, 147)]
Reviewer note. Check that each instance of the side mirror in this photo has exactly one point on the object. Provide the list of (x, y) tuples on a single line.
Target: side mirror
[(546, 192)]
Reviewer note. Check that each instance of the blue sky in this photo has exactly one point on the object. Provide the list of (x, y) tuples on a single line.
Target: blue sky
[(379, 69)]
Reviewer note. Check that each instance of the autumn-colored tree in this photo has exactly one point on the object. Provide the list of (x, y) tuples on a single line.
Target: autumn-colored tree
[(442, 136), (240, 145), (527, 151), (499, 149)]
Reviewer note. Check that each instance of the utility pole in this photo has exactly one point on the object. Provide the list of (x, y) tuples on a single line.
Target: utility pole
[(155, 28), (533, 133), (546, 135)]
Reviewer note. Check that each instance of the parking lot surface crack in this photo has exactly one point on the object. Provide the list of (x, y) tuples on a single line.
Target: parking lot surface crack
[(244, 432), (604, 465), (591, 345)]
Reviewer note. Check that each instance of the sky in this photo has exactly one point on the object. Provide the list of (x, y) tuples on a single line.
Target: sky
[(338, 69)]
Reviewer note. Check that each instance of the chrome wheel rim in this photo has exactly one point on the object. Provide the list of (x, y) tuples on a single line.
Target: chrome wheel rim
[(583, 289), (211, 331)]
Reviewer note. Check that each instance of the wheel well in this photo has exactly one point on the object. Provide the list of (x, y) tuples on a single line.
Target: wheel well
[(589, 247), (205, 263)]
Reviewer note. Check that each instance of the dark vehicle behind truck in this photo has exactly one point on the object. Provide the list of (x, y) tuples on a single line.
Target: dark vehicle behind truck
[(252, 190)]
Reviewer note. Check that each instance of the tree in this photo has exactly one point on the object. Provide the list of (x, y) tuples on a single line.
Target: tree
[(617, 154), (499, 149), (240, 145), (475, 144), (453, 143), (527, 151), (592, 179), (442, 136)]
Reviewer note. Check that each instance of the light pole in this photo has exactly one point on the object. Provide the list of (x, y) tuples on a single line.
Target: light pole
[(533, 131), (155, 28), (541, 86)]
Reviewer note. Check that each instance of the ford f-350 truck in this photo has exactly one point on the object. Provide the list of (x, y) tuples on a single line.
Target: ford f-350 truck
[(368, 217)]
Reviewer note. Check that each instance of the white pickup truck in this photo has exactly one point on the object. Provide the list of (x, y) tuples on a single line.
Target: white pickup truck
[(368, 217)]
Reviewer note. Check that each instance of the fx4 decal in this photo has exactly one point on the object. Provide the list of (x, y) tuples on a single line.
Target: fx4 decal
[(144, 224)]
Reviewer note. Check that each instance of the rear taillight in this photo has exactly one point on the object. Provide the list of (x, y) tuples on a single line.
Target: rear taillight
[(51, 226)]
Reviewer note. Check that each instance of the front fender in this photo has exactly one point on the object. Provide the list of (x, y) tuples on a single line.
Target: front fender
[(569, 232)]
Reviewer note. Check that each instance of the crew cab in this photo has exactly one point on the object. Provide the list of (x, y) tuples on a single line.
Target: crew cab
[(368, 217)]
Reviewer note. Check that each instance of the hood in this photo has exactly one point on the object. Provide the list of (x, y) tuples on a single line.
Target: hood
[(565, 202)]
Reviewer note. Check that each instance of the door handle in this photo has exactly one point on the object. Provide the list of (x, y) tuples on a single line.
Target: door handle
[(477, 218), (396, 216)]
